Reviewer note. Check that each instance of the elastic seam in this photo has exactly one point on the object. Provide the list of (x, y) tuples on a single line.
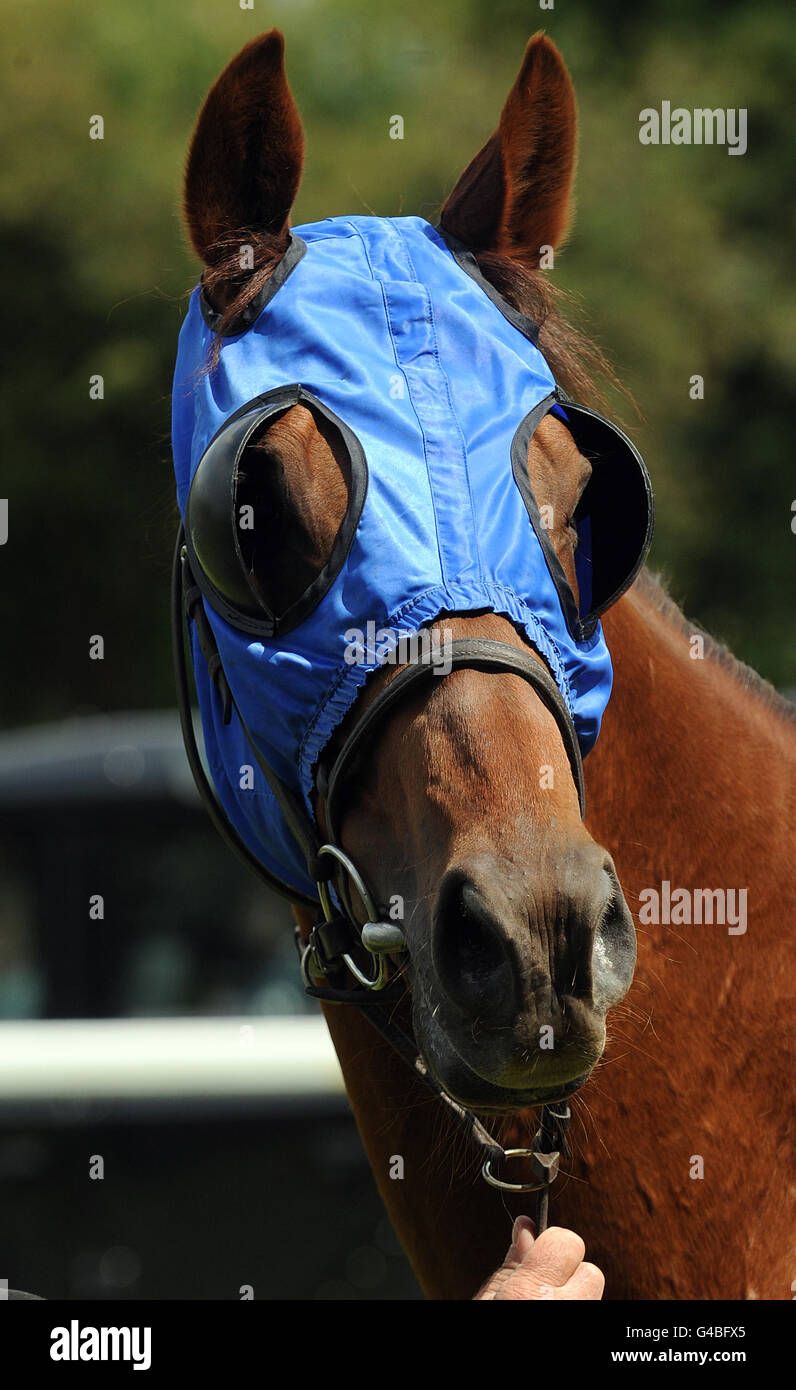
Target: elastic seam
[(358, 674)]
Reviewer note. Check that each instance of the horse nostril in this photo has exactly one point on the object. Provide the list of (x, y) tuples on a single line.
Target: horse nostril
[(614, 949), (470, 953)]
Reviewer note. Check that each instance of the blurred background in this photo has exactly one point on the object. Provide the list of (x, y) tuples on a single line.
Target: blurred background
[(249, 1171)]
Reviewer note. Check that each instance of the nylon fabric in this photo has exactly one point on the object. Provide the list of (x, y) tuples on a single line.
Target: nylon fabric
[(379, 322)]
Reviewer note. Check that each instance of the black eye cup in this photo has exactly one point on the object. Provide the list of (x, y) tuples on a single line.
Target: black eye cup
[(614, 517), (211, 523)]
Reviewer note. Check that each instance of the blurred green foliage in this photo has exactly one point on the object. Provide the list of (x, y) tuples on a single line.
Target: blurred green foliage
[(678, 255)]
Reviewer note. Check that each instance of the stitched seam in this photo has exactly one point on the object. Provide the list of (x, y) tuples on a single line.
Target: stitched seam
[(402, 370), (463, 446)]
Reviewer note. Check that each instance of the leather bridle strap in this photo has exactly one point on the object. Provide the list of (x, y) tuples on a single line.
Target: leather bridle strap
[(548, 1143), (186, 602), (474, 653), (484, 655), (334, 936)]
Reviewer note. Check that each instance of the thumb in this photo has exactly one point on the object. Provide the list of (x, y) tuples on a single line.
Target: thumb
[(522, 1239)]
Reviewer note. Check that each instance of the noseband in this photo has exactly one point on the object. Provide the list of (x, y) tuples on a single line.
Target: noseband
[(329, 953)]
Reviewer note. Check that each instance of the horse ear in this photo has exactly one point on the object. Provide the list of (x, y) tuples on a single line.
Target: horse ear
[(514, 197), (245, 160)]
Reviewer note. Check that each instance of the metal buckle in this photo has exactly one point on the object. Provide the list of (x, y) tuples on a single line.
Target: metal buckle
[(379, 979), (306, 956), (544, 1160), (545, 1167)]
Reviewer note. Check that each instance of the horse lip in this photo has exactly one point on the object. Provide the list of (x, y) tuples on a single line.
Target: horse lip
[(553, 1096), (506, 1098)]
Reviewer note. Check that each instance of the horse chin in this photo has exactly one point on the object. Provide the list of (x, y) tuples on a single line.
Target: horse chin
[(512, 1102), (474, 1091)]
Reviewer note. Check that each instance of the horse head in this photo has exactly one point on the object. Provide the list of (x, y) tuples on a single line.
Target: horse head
[(463, 809)]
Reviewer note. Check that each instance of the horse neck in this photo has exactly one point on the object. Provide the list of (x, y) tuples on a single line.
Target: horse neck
[(692, 776), (687, 781)]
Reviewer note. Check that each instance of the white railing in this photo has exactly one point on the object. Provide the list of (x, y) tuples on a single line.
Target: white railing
[(157, 1058)]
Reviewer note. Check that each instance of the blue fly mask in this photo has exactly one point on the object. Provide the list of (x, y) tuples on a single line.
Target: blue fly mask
[(436, 386)]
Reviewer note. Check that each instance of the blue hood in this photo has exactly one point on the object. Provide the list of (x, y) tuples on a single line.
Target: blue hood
[(437, 385)]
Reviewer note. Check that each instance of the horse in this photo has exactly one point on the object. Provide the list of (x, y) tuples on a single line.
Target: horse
[(678, 1144)]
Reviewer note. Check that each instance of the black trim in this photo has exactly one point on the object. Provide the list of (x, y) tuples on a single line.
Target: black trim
[(519, 467), (637, 525), (478, 653), (466, 259), (581, 628), (212, 317), (210, 800), (628, 500), (256, 619)]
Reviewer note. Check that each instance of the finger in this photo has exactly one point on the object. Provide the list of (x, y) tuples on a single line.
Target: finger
[(523, 1285), (554, 1256), (588, 1282), (522, 1236), (522, 1240), (491, 1289)]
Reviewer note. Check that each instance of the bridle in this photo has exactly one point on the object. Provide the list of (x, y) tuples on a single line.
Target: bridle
[(328, 957)]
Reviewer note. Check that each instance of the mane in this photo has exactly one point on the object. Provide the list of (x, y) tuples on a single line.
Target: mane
[(653, 589), (223, 274), (577, 363), (574, 360)]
